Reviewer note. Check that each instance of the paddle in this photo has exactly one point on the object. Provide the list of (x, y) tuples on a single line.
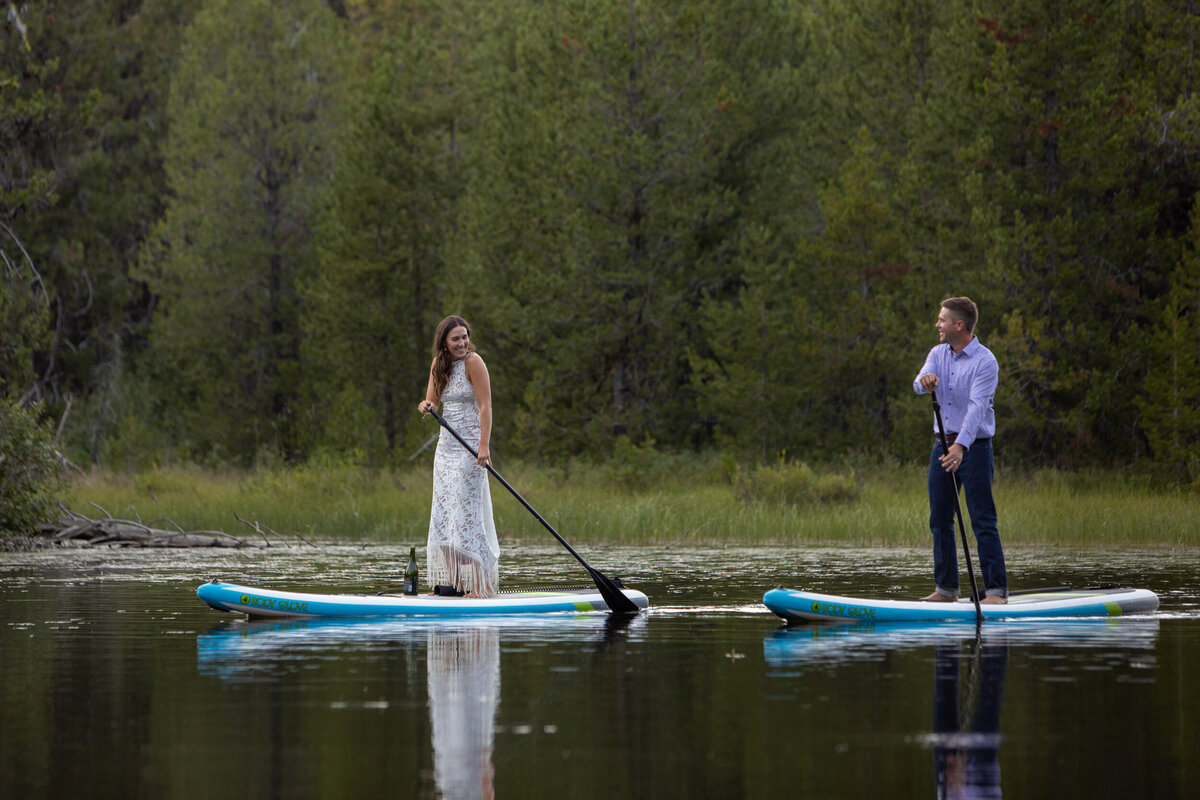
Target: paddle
[(609, 590), (962, 528)]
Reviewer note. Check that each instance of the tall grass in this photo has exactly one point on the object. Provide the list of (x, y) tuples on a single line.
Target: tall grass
[(674, 500)]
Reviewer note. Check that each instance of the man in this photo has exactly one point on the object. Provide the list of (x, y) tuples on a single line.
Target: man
[(964, 374)]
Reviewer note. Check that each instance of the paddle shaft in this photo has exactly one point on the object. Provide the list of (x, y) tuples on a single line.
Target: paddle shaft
[(962, 528), (612, 594)]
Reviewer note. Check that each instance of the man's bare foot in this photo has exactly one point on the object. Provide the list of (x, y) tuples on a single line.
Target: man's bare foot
[(994, 599), (938, 597)]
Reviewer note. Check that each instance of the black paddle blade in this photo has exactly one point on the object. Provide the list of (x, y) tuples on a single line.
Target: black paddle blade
[(617, 602)]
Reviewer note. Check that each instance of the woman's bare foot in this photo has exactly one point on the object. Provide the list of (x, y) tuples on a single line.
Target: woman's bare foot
[(938, 597)]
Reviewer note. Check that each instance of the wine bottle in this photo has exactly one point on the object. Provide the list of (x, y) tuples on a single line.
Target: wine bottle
[(411, 575)]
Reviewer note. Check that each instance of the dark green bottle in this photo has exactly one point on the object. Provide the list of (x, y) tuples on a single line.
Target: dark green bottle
[(411, 575)]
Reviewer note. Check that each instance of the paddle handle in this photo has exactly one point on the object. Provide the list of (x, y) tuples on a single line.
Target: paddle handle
[(962, 528), (616, 599), (508, 486)]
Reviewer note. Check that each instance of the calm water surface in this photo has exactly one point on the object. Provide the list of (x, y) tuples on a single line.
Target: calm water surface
[(117, 682)]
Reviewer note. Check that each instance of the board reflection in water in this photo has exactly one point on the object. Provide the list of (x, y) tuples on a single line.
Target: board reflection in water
[(464, 689)]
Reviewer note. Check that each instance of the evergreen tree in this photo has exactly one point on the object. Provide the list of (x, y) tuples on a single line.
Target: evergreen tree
[(1169, 401), (84, 87), (1047, 225), (812, 350), (24, 310), (603, 210), (252, 111), (377, 292), (753, 385)]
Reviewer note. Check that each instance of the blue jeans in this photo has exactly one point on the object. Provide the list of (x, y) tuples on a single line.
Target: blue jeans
[(975, 477)]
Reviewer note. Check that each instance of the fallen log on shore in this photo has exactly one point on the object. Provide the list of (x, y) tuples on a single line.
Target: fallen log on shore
[(77, 530)]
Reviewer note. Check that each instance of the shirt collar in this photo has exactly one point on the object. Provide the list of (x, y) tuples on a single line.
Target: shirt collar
[(967, 352)]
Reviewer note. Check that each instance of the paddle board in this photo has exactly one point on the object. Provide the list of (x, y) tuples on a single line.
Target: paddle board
[(260, 602), (796, 605)]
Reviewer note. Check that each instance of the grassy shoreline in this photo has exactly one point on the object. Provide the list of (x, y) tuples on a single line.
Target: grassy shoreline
[(1108, 510)]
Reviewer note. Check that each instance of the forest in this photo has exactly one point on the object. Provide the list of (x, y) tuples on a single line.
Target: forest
[(228, 228)]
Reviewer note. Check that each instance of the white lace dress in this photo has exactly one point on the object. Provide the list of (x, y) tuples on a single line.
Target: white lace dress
[(462, 548)]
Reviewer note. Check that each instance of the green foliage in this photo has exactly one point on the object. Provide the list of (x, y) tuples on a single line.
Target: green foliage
[(1170, 406), (794, 483), (600, 210), (630, 466), (82, 114), (253, 108), (30, 470), (133, 446), (351, 430), (725, 224), (1116, 510), (375, 294), (24, 311)]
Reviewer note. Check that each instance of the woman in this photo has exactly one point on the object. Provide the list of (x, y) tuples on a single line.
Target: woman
[(462, 551)]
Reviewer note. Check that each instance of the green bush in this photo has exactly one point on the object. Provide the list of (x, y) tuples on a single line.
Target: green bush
[(629, 465), (30, 469), (632, 467), (795, 484)]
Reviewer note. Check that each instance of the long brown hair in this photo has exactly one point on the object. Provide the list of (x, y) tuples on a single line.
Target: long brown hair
[(442, 362)]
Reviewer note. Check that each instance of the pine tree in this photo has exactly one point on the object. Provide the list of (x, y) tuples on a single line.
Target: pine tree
[(603, 209), (1049, 223), (85, 85), (376, 293), (1169, 399), (252, 109)]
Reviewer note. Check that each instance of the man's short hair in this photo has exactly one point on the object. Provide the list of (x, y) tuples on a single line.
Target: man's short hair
[(962, 308)]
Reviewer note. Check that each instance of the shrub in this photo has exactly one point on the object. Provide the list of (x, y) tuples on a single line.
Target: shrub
[(631, 467), (30, 469), (793, 483)]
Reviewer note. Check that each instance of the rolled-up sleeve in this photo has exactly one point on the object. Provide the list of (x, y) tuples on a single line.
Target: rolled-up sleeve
[(929, 366)]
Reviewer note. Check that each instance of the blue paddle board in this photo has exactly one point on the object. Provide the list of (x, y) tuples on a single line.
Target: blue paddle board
[(259, 602), (797, 605)]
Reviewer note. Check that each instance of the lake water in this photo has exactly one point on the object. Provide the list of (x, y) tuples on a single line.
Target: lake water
[(118, 683)]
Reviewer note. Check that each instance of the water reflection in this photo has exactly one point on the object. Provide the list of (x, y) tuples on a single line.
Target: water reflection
[(462, 659), (245, 649), (805, 645), (970, 668), (464, 690), (966, 720)]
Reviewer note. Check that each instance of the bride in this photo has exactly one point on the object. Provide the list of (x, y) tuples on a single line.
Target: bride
[(462, 550)]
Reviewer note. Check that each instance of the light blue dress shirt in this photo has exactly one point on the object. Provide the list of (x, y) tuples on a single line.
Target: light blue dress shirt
[(966, 386)]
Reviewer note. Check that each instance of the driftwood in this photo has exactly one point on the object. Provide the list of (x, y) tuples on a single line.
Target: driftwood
[(75, 529)]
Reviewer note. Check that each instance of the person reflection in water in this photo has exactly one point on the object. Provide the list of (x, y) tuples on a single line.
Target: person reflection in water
[(966, 752), (464, 689)]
